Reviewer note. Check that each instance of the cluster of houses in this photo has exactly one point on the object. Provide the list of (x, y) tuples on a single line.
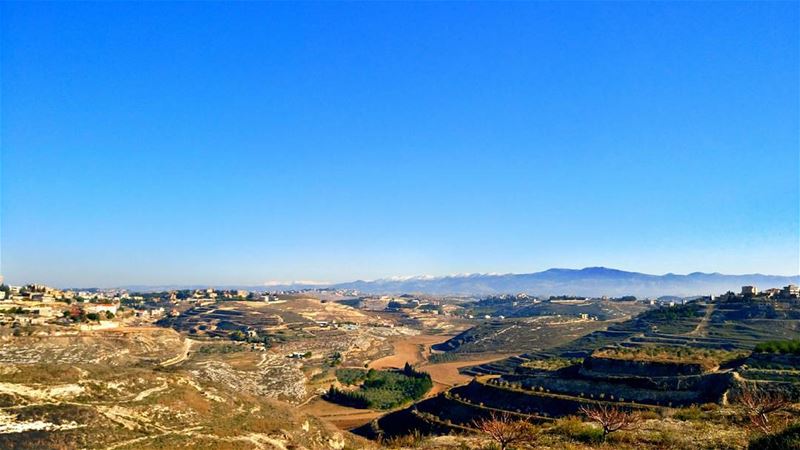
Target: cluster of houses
[(787, 292), (35, 304), (217, 294), (35, 293), (45, 294)]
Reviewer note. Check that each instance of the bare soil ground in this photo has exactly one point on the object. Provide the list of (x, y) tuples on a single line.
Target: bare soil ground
[(341, 416), (446, 375), (408, 349)]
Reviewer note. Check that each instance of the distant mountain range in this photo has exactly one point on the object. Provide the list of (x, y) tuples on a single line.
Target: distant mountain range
[(590, 282)]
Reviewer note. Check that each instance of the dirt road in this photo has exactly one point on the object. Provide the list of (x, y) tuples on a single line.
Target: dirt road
[(181, 357), (702, 327)]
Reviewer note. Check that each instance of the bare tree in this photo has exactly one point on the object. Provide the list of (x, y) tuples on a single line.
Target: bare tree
[(758, 405), (611, 418), (505, 429)]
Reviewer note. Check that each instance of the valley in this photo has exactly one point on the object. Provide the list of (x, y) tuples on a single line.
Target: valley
[(242, 373), (402, 225)]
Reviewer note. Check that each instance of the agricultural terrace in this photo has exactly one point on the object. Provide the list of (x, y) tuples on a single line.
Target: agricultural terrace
[(551, 364), (708, 358)]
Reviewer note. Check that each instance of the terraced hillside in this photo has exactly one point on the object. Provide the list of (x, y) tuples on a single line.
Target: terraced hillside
[(724, 323), (508, 335), (530, 326), (693, 354), (600, 309), (220, 319)]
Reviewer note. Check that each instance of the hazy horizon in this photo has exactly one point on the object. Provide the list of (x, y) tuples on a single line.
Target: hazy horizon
[(405, 277), (208, 143)]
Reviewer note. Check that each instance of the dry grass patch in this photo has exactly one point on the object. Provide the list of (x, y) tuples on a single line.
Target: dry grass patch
[(705, 357)]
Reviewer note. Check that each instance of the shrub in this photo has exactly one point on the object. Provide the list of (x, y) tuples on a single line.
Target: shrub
[(649, 415), (690, 413), (622, 437), (575, 429), (788, 439), (665, 439), (413, 439), (784, 347)]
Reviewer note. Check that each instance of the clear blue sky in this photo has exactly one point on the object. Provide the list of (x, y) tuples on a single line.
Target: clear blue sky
[(242, 143)]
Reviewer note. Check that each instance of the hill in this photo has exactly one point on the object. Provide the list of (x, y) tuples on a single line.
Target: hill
[(662, 362), (590, 282), (529, 326), (125, 389)]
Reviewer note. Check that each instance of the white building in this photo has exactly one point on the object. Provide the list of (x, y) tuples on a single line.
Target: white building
[(102, 307)]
